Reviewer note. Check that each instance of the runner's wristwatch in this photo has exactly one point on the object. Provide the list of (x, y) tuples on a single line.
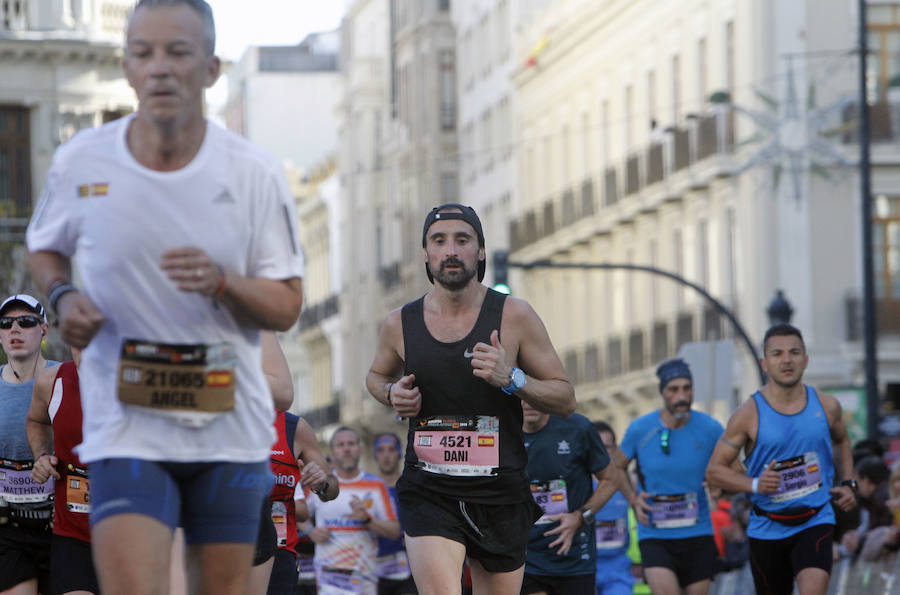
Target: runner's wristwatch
[(516, 381), (587, 517), (851, 483)]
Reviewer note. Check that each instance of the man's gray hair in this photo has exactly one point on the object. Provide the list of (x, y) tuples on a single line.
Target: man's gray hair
[(198, 6)]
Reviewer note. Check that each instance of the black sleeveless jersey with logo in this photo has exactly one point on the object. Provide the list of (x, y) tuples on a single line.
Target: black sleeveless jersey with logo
[(449, 388)]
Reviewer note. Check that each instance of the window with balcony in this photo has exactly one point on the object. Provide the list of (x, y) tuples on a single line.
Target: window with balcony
[(629, 115), (703, 253), (702, 88), (884, 47), (651, 96), (13, 14), (15, 161), (676, 89), (448, 90), (886, 248)]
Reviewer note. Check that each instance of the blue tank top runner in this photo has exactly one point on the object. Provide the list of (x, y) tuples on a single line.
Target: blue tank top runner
[(801, 446)]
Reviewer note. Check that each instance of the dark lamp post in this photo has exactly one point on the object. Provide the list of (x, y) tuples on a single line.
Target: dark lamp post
[(779, 310)]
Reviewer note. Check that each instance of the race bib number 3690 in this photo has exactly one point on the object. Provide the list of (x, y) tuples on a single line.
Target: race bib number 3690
[(16, 484), (460, 446)]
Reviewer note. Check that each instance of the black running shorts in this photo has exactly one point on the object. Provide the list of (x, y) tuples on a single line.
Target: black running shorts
[(775, 562), (72, 566), (24, 555), (267, 538), (559, 585), (494, 534), (692, 559), (283, 579)]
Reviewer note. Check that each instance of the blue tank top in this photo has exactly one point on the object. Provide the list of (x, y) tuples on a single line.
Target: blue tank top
[(801, 443), (15, 400)]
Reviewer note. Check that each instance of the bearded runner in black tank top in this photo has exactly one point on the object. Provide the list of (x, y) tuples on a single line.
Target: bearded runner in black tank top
[(466, 442)]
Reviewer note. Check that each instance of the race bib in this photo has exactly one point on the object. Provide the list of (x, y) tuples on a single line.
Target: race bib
[(457, 445), (674, 510), (799, 476), (78, 489), (17, 486), (394, 566), (340, 578), (280, 520), (610, 534), (551, 497), (190, 383), (305, 568)]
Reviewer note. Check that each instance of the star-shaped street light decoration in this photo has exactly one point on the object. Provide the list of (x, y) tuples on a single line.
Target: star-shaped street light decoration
[(794, 136)]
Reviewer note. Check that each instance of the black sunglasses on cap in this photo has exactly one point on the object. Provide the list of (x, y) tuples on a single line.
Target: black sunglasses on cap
[(25, 321)]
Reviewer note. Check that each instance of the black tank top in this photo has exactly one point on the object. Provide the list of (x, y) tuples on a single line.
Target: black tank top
[(444, 377)]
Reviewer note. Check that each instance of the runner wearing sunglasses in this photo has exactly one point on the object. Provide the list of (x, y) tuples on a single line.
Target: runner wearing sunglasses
[(672, 447), (26, 504)]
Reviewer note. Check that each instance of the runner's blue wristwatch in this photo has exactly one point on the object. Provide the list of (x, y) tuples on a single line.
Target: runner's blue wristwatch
[(516, 381)]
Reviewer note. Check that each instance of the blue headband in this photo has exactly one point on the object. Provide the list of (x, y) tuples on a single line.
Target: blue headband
[(671, 369), (387, 438)]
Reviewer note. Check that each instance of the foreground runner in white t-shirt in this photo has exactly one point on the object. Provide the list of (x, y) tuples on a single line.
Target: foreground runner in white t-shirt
[(187, 247)]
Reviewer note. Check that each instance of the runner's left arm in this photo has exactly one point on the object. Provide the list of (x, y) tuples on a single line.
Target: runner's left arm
[(844, 496), (525, 344), (39, 428)]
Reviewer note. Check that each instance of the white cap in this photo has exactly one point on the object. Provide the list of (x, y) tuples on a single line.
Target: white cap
[(26, 301)]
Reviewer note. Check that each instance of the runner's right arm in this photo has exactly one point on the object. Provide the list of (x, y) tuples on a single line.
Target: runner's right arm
[(721, 471), (79, 318), (384, 380), (637, 500), (39, 429)]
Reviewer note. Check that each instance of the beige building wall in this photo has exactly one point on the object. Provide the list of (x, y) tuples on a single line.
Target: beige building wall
[(622, 158), (313, 346)]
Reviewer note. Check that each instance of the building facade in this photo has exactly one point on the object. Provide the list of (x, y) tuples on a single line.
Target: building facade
[(631, 118), (314, 347), (60, 62), (363, 119), (283, 98)]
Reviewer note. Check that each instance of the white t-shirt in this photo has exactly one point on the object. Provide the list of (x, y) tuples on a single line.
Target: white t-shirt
[(233, 201), (352, 544)]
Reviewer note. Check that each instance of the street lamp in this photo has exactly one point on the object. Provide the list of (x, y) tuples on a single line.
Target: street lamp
[(779, 310)]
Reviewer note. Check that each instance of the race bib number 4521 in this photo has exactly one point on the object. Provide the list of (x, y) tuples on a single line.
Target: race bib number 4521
[(460, 446)]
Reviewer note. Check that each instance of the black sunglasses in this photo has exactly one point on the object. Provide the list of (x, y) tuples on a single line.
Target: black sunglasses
[(664, 440), (26, 321)]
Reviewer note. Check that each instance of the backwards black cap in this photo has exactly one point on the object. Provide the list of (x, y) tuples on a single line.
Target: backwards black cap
[(464, 213)]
